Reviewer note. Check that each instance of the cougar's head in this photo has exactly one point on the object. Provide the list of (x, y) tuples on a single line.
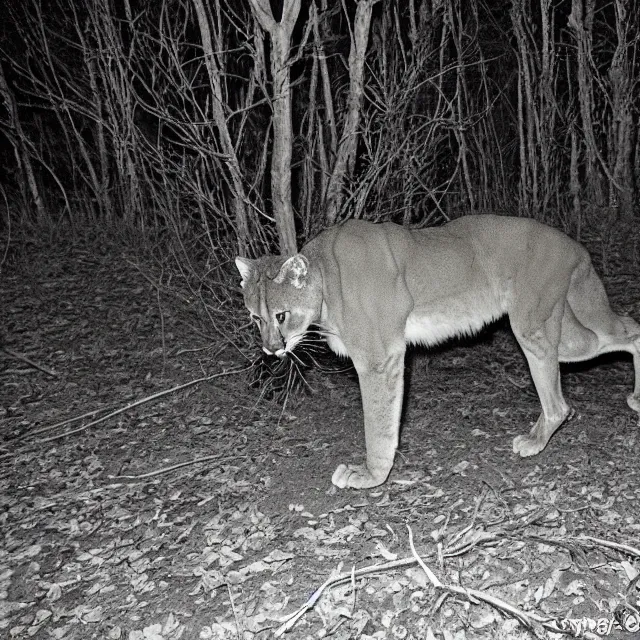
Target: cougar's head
[(283, 296)]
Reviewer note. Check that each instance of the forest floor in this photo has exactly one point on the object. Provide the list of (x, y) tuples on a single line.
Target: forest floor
[(104, 536)]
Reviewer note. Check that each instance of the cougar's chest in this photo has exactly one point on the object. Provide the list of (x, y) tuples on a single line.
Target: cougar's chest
[(337, 346), (331, 332)]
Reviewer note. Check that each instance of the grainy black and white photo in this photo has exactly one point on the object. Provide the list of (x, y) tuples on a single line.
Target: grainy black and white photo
[(319, 319)]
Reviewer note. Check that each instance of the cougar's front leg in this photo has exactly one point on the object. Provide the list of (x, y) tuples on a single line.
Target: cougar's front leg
[(381, 386)]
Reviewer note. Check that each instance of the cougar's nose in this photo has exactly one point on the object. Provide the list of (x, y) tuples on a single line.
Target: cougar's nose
[(273, 343), (279, 352)]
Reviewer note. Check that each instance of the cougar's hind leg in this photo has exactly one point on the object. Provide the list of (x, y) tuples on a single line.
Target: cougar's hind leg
[(613, 333), (590, 327), (632, 330), (577, 342), (381, 385), (539, 338)]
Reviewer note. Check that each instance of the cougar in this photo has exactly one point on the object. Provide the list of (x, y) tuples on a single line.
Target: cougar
[(371, 289)]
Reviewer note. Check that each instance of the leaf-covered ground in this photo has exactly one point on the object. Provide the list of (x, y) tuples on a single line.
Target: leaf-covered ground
[(105, 536)]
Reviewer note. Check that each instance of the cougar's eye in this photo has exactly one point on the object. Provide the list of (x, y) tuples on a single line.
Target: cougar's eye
[(281, 317), (255, 318)]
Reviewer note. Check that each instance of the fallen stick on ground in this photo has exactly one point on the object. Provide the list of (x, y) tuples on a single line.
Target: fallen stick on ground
[(622, 548), (142, 401), (174, 467), (291, 620), (124, 409), (23, 358), (531, 620), (57, 425), (527, 618)]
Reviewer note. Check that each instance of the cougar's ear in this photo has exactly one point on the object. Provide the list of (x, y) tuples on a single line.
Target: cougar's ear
[(295, 270), (246, 269)]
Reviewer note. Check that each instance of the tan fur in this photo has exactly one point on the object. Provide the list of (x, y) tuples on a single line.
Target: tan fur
[(373, 288)]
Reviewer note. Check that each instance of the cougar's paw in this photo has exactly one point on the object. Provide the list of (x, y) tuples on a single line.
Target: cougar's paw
[(527, 446), (356, 476), (633, 402)]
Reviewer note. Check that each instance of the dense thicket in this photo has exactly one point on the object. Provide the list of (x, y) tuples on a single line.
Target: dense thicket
[(251, 125)]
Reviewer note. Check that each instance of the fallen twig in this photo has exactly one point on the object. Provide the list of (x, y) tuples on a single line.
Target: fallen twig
[(474, 594), (239, 633), (142, 401), (173, 467), (52, 427), (128, 407), (528, 619), (623, 548), (291, 620), (33, 363)]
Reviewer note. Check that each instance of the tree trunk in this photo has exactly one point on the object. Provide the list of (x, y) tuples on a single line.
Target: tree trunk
[(348, 142), (622, 130), (20, 144), (581, 23), (280, 35), (238, 196)]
